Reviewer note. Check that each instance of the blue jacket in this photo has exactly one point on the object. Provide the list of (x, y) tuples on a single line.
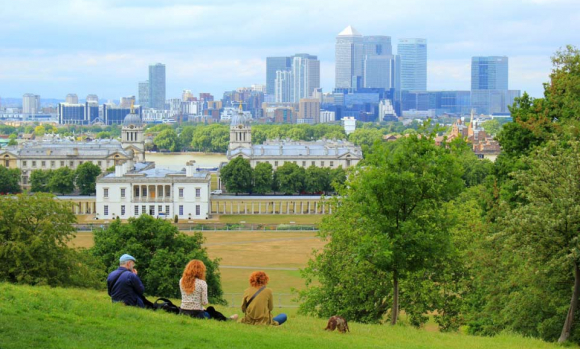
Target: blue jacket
[(128, 288)]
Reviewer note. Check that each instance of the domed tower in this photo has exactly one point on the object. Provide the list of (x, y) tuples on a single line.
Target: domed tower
[(240, 131), (132, 137)]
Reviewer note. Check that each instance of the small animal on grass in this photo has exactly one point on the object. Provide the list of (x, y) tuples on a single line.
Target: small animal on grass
[(337, 322)]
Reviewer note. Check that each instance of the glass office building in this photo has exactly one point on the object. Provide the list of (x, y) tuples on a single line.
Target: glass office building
[(157, 86), (489, 73), (349, 52), (274, 64), (413, 53)]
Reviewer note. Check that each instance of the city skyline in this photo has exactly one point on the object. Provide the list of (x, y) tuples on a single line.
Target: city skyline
[(70, 55)]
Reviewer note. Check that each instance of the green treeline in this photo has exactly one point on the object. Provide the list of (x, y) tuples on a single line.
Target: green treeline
[(432, 230)]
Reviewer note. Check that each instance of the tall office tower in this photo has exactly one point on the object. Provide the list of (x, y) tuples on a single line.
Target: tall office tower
[(283, 86), (72, 98), (157, 86), (30, 103), (92, 99), (377, 45), (126, 102), (144, 94), (489, 73), (187, 96), (273, 64), (413, 54), (305, 75), (349, 58), (378, 71)]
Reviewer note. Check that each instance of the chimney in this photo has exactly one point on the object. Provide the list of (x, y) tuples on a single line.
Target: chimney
[(120, 169), (190, 168)]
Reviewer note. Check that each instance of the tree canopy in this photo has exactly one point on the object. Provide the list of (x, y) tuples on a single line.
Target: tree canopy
[(86, 177)]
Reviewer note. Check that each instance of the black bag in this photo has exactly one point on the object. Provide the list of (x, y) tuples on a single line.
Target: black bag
[(216, 315), (167, 305)]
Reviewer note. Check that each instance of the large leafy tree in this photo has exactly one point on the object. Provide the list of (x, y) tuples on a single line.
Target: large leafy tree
[(237, 176), (162, 252), (62, 181), (317, 179), (86, 178), (290, 178), (9, 180), (34, 234), (263, 176), (167, 140), (39, 180), (394, 203)]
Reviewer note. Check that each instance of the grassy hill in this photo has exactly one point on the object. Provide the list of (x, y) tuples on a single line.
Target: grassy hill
[(42, 317)]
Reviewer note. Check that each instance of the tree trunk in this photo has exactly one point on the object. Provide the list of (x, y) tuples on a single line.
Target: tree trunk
[(395, 308), (573, 305)]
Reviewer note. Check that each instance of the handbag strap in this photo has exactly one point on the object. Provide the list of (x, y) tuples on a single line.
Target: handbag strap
[(255, 294), (117, 278)]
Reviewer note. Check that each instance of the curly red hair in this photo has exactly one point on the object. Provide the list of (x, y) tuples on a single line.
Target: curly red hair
[(259, 279), (195, 269)]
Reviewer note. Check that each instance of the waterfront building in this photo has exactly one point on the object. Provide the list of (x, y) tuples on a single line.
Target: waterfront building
[(349, 53), (114, 115), (413, 53), (30, 103), (78, 113), (321, 153), (136, 189), (157, 86)]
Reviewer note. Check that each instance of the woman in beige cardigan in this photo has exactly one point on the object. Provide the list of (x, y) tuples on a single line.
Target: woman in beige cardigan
[(258, 302)]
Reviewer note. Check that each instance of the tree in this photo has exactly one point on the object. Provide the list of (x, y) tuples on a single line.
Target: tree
[(39, 131), (62, 181), (263, 176), (290, 178), (167, 139), (363, 136), (39, 180), (337, 178), (86, 177), (9, 180), (491, 127), (394, 205), (162, 252), (34, 232), (237, 176), (186, 135), (104, 135), (317, 179)]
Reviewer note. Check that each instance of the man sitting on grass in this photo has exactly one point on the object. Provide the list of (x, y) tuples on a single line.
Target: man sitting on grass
[(124, 285)]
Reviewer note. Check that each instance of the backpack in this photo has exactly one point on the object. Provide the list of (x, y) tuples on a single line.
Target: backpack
[(167, 305)]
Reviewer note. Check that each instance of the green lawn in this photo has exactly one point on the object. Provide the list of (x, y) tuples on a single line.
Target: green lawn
[(42, 317)]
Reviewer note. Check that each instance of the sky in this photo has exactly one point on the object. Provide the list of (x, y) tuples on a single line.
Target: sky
[(104, 47)]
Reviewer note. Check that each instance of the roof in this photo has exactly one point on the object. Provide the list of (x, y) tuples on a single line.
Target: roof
[(349, 31), (144, 169), (95, 148), (321, 148), (133, 119)]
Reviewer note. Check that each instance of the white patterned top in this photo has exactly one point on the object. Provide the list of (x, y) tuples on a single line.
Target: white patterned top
[(195, 300)]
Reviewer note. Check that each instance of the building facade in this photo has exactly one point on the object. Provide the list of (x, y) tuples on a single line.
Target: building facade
[(413, 53), (284, 84), (143, 94), (157, 86), (305, 76), (78, 114), (489, 73), (309, 111), (133, 190), (30, 103), (274, 64), (349, 53)]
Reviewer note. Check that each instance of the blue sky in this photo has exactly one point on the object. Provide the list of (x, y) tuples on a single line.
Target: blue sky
[(104, 47)]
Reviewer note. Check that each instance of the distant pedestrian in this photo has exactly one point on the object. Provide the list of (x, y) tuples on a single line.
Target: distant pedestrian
[(258, 302), (124, 285)]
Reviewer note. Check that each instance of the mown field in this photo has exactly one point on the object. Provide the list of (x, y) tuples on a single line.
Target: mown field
[(42, 317)]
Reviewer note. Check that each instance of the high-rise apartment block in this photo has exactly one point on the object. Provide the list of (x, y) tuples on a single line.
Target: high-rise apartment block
[(413, 53), (300, 81), (92, 99), (144, 94), (274, 64), (72, 98), (157, 86), (30, 103), (283, 88), (309, 111), (349, 59)]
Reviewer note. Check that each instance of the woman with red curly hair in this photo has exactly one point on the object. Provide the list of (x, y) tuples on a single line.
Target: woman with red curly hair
[(194, 293), (258, 302)]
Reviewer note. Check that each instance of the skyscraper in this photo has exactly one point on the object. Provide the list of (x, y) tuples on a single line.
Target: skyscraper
[(378, 71), (413, 53), (283, 88), (72, 98), (273, 64), (489, 73), (349, 58), (144, 94), (157, 86), (305, 75), (30, 103), (377, 45)]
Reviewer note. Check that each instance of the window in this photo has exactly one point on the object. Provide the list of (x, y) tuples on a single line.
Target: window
[(181, 192), (181, 210), (136, 210), (123, 193), (99, 163), (106, 192), (7, 163), (313, 163), (152, 210), (197, 210), (331, 163), (81, 162), (106, 210), (43, 163), (159, 209), (24, 163), (144, 191), (167, 210), (322, 164), (33, 163), (52, 164), (197, 192), (303, 163), (72, 164), (276, 163), (122, 210), (62, 164), (143, 209), (25, 180)]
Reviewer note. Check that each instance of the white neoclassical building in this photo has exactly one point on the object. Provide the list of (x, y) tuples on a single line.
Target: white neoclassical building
[(321, 153), (133, 190)]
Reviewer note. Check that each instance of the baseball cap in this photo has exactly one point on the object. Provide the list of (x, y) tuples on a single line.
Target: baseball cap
[(126, 258)]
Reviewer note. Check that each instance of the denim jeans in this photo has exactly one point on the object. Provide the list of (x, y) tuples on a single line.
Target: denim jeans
[(280, 318)]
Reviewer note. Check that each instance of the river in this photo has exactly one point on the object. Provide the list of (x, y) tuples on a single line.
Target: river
[(176, 161)]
